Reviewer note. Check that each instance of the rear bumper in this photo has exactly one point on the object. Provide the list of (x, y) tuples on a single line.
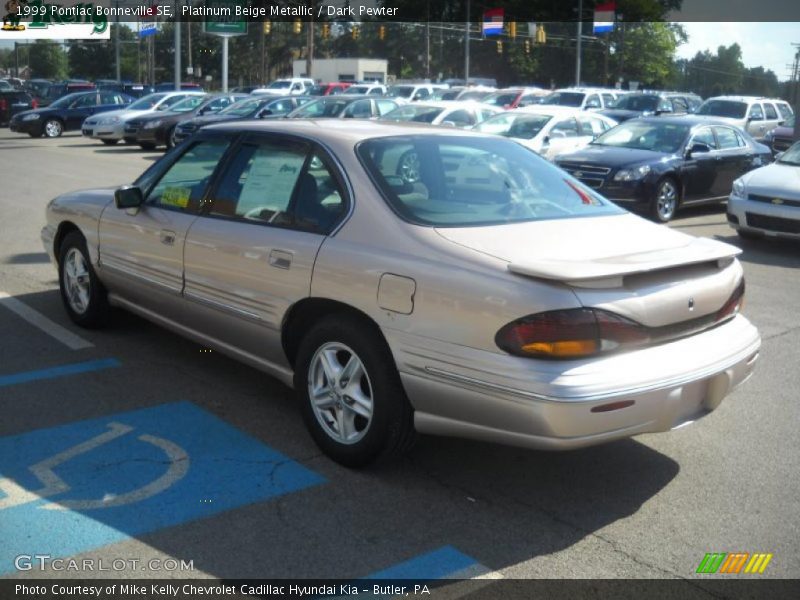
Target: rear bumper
[(548, 405)]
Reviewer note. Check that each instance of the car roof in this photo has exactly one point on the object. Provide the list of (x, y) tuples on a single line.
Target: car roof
[(692, 120), (452, 104), (746, 99)]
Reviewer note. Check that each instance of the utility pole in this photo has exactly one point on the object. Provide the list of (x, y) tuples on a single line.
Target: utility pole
[(116, 44), (466, 48), (310, 49), (578, 47), (189, 47), (177, 30), (796, 91)]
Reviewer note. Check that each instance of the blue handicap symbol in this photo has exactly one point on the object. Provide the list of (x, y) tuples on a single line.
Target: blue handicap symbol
[(76, 487)]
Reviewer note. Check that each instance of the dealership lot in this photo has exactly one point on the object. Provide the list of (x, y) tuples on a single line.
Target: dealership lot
[(196, 458)]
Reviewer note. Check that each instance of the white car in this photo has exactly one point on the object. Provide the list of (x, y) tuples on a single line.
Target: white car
[(413, 92), (109, 127), (548, 130), (766, 201), (583, 98), (450, 114), (296, 86), (367, 89), (757, 116)]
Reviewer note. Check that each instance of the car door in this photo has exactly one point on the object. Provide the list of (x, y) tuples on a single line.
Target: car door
[(564, 136), (251, 256), (732, 161), (700, 168), (756, 125), (771, 117), (141, 250), (80, 109)]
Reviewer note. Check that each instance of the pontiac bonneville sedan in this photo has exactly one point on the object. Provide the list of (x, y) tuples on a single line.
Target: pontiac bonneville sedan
[(483, 294)]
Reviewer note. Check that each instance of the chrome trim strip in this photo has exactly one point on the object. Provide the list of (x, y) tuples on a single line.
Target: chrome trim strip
[(223, 307), (112, 267), (677, 381)]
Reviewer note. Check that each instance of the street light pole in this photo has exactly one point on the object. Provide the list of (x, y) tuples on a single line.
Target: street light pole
[(116, 45), (578, 49), (466, 48), (177, 30)]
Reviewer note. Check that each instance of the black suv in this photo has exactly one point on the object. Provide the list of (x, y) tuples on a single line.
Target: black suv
[(646, 104)]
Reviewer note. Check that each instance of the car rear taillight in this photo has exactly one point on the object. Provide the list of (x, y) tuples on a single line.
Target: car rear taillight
[(3, 104), (34, 103), (573, 333), (583, 332)]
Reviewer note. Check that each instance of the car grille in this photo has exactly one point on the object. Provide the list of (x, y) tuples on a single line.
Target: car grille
[(778, 224), (781, 144), (591, 175), (772, 200)]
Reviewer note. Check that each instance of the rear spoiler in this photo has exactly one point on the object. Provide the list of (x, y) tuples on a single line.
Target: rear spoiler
[(610, 271)]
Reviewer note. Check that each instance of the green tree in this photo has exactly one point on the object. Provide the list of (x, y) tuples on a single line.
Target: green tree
[(47, 60)]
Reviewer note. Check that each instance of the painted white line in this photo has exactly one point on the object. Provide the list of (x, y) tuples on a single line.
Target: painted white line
[(66, 337), (473, 578)]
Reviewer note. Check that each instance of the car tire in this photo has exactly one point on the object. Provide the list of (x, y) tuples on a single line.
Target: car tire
[(665, 200), (109, 142), (170, 137), (746, 234), (53, 128), (408, 167), (147, 146), (354, 421), (84, 296)]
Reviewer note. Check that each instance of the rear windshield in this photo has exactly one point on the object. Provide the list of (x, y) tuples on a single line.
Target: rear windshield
[(449, 181), (564, 99), (641, 103), (723, 108)]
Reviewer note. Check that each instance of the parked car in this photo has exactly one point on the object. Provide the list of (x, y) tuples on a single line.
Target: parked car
[(755, 115), (780, 138), (583, 98), (344, 106), (152, 130), (660, 164), (296, 86), (5, 86), (186, 86), (411, 92), (110, 128), (515, 97), (548, 130), (463, 115), (475, 93), (67, 113), (330, 89), (137, 90), (59, 90), (259, 107), (246, 89), (15, 101), (766, 201), (494, 298), (638, 104), (368, 89), (37, 88)]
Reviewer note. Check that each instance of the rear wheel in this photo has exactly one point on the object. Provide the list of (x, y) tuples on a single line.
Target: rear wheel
[(352, 400), (82, 292), (53, 128), (665, 201), (171, 138), (109, 142)]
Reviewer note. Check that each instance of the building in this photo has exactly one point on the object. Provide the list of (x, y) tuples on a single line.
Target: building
[(344, 69)]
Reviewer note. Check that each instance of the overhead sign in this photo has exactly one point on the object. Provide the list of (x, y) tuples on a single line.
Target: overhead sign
[(222, 19)]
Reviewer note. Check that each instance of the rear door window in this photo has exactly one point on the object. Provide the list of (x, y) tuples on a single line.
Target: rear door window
[(704, 135), (770, 111), (565, 128), (756, 113), (727, 138)]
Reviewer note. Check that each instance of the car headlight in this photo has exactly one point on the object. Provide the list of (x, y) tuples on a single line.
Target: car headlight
[(31, 117), (739, 189), (152, 124), (634, 174), (108, 121)]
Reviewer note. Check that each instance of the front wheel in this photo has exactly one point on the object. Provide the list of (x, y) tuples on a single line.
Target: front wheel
[(171, 138), (665, 202), (82, 292), (53, 128), (352, 400)]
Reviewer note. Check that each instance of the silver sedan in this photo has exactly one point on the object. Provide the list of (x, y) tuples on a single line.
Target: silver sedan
[(405, 279)]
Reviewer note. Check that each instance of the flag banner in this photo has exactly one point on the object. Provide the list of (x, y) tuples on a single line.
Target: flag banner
[(604, 17), (493, 21)]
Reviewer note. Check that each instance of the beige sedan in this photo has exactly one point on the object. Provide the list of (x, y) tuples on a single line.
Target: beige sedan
[(407, 279)]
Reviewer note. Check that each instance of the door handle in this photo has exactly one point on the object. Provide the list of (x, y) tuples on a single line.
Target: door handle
[(280, 259), (167, 237)]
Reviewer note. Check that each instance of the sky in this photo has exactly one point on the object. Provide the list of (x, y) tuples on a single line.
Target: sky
[(763, 44)]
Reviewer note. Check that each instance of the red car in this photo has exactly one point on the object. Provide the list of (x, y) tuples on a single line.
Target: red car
[(514, 97), (330, 89)]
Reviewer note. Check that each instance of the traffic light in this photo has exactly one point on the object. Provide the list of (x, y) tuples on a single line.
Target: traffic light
[(267, 27), (527, 46), (499, 47), (298, 26), (382, 32), (512, 29), (355, 32), (541, 36), (326, 30)]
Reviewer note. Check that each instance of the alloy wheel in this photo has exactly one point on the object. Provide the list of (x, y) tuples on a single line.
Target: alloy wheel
[(77, 281)]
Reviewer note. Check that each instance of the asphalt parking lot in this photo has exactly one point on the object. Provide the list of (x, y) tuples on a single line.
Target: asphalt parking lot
[(198, 459)]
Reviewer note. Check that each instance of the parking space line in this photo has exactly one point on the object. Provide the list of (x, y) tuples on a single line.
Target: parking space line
[(61, 371), (37, 319)]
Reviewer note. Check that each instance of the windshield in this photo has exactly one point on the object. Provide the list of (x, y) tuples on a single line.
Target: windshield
[(791, 156), (329, 106), (449, 181), (723, 108), (65, 101), (147, 102), (244, 108), (641, 103), (564, 98), (280, 84), (519, 125), (501, 99), (418, 114), (400, 91), (646, 135), (188, 104)]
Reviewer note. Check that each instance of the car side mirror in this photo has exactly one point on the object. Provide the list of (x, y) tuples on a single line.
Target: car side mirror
[(128, 196), (697, 147), (264, 113)]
